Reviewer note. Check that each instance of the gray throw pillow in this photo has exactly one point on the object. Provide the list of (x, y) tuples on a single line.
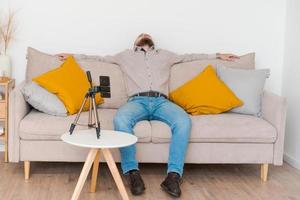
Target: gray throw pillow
[(248, 85), (42, 100)]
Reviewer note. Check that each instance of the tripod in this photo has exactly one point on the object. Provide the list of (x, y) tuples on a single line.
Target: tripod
[(90, 96)]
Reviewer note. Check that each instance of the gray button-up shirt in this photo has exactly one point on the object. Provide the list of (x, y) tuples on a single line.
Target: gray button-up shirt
[(147, 70)]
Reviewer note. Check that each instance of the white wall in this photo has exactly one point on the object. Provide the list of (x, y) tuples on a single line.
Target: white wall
[(291, 82), (106, 27)]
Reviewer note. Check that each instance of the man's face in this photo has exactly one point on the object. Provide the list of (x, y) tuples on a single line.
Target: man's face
[(144, 40)]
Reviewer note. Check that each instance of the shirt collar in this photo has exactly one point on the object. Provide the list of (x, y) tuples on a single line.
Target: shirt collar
[(137, 48)]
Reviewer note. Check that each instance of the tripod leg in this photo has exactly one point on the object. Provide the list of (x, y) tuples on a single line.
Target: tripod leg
[(90, 122), (96, 117), (72, 127)]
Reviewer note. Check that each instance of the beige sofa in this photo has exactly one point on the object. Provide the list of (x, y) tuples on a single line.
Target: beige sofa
[(222, 138)]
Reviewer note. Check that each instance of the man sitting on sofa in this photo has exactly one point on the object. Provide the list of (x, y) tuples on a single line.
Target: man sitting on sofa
[(146, 71)]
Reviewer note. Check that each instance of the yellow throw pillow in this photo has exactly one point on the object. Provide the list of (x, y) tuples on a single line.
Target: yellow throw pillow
[(69, 83), (205, 94)]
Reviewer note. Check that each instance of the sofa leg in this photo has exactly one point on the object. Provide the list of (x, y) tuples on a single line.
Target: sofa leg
[(264, 172), (26, 169)]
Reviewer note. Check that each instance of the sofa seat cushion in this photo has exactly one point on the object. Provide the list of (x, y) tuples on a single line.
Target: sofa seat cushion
[(40, 126), (226, 127)]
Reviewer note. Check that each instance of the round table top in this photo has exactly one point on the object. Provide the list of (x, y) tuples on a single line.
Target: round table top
[(108, 139)]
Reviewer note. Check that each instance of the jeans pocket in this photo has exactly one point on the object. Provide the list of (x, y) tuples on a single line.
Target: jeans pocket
[(130, 99)]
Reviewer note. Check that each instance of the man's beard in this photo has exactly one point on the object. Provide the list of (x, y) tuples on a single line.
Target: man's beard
[(145, 42)]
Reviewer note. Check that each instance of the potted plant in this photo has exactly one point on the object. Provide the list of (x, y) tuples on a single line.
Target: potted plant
[(7, 31)]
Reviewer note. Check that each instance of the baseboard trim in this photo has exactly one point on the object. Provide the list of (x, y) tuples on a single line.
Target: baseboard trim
[(291, 160)]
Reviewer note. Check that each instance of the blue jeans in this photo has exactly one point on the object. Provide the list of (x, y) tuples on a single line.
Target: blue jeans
[(154, 108)]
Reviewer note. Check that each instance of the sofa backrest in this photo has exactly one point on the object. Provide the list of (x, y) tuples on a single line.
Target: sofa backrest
[(39, 63), (183, 72)]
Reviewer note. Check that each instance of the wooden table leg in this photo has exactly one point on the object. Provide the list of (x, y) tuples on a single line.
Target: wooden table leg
[(115, 173), (84, 173), (95, 172)]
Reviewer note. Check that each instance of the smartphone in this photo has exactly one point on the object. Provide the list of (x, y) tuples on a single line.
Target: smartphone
[(105, 86)]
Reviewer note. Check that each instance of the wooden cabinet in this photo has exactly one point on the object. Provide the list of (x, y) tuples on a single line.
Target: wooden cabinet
[(6, 85), (2, 109)]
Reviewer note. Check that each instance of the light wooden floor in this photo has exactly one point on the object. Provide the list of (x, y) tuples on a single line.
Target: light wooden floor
[(56, 181)]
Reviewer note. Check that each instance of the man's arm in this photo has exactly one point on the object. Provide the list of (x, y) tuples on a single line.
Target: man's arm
[(107, 59), (87, 57), (194, 57)]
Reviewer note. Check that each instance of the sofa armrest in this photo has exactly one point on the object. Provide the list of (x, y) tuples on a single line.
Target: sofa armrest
[(18, 109), (274, 110)]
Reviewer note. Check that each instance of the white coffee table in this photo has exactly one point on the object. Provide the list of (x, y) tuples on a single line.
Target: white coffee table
[(108, 139)]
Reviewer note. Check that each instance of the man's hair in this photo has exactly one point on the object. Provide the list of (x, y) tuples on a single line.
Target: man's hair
[(143, 39)]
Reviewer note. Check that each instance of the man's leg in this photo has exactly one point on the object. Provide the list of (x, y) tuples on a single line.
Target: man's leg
[(180, 124), (125, 119)]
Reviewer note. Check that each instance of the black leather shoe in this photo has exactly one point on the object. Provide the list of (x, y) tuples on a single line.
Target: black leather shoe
[(172, 184), (136, 182)]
